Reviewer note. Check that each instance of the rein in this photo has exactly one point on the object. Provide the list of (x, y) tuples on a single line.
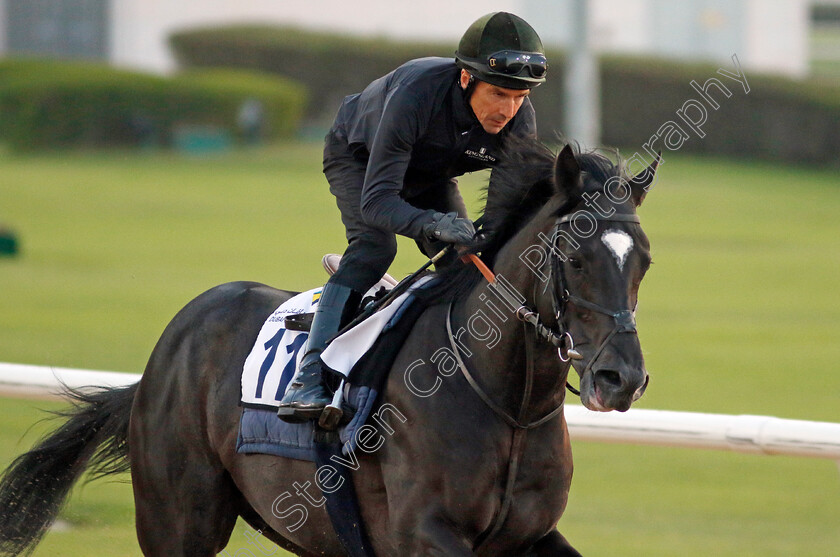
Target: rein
[(514, 422), (520, 428), (526, 314), (562, 339), (625, 320)]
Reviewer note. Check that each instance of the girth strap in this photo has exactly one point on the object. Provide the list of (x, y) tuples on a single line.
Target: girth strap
[(517, 445), (519, 428), (519, 431)]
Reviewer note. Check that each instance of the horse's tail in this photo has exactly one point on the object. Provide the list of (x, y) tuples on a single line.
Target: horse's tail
[(35, 486)]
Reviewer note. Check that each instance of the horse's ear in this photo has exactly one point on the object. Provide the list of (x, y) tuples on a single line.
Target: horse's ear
[(567, 173), (643, 181)]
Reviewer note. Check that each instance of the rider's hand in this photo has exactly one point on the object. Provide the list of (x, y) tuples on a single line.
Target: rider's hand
[(450, 228)]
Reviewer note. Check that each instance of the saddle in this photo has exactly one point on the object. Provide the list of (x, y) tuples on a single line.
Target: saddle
[(303, 321)]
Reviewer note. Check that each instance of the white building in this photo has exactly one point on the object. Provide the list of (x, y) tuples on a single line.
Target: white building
[(767, 35)]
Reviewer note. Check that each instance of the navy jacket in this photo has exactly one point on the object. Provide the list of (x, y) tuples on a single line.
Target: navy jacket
[(414, 128)]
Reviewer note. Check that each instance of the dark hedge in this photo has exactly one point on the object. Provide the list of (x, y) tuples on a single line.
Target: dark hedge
[(778, 119), (55, 104)]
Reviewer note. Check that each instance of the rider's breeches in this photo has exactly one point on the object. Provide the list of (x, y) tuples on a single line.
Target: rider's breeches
[(371, 250)]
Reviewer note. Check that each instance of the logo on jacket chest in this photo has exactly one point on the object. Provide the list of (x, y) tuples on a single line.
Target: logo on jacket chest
[(480, 155)]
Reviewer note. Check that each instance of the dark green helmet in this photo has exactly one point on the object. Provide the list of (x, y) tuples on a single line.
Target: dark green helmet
[(502, 49)]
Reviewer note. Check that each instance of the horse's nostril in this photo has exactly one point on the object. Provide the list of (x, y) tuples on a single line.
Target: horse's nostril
[(610, 377), (641, 390)]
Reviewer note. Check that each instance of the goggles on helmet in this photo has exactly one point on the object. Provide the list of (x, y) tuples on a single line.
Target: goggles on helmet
[(513, 63)]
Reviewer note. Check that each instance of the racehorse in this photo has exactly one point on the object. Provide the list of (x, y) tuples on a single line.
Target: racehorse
[(470, 453)]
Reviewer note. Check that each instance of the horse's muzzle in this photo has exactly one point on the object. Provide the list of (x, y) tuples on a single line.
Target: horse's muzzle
[(605, 389)]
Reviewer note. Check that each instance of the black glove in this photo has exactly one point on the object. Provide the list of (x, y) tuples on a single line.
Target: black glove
[(450, 228)]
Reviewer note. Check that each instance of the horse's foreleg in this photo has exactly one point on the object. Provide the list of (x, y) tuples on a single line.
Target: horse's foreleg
[(553, 545)]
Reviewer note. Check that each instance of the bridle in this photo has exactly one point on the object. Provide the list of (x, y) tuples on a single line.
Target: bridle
[(561, 337), (625, 319)]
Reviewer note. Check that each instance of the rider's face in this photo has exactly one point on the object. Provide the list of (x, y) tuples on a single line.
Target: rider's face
[(494, 106)]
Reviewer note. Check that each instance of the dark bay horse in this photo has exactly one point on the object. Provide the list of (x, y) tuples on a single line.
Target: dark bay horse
[(468, 453)]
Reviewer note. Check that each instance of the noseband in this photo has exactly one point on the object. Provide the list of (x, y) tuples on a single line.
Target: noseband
[(625, 319), (625, 322)]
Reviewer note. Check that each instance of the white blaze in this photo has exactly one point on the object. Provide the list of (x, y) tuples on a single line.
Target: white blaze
[(619, 243)]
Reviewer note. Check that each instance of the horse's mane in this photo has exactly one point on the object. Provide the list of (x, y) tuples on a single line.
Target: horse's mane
[(520, 185)]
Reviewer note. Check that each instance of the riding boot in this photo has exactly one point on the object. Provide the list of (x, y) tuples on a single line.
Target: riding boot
[(307, 395)]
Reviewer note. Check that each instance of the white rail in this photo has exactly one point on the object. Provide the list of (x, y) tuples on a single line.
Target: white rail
[(748, 434), (43, 381), (745, 433)]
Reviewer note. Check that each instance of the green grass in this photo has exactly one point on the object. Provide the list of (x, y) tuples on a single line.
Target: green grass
[(739, 314), (824, 49)]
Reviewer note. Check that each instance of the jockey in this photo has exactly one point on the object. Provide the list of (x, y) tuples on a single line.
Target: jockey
[(391, 158)]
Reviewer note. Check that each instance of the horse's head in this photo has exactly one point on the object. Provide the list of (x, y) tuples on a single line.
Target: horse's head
[(563, 230), (598, 257)]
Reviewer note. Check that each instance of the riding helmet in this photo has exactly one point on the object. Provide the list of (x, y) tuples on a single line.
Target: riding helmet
[(502, 49)]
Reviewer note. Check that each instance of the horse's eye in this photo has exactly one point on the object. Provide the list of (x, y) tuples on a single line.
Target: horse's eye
[(575, 264)]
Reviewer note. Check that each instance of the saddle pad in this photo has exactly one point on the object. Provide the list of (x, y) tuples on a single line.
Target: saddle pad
[(276, 355), (273, 360), (262, 432), (268, 371)]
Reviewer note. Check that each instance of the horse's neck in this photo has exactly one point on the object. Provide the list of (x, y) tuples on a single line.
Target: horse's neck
[(496, 338)]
